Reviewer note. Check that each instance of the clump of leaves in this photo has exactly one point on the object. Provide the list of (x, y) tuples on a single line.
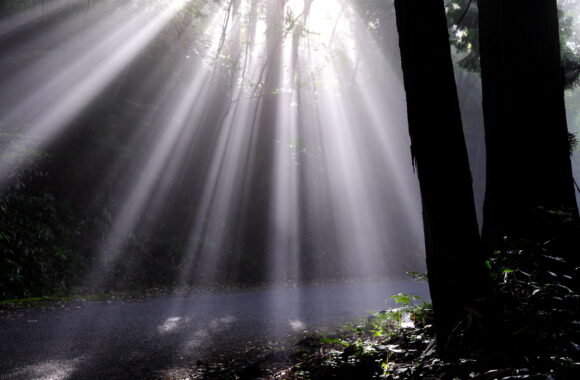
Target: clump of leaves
[(537, 334), (537, 330), (35, 231), (463, 22), (370, 349), (539, 299), (417, 276), (572, 143)]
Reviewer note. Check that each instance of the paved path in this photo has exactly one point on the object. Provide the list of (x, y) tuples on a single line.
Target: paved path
[(143, 339)]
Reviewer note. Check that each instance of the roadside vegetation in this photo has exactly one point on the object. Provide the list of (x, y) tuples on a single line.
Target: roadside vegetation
[(535, 335)]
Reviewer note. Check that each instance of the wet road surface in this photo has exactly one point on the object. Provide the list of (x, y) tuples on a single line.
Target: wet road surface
[(146, 338)]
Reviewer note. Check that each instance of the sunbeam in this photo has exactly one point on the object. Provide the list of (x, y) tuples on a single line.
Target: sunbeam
[(205, 146), (45, 115), (289, 189)]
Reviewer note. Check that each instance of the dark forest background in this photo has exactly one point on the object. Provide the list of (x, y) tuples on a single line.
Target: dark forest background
[(55, 215)]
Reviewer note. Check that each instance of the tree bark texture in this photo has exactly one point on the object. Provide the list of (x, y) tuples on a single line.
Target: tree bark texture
[(528, 163), (456, 271)]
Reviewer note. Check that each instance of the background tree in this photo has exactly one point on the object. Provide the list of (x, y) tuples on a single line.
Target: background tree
[(463, 22), (528, 163)]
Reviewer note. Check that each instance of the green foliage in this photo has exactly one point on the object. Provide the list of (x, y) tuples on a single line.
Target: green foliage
[(534, 333), (334, 341), (35, 228), (34, 236), (404, 299), (372, 348), (572, 143), (462, 18), (417, 275)]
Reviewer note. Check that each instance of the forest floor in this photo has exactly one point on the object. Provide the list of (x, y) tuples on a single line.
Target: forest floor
[(534, 335), (165, 335)]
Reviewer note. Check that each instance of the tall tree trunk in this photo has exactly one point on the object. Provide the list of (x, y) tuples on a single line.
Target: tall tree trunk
[(456, 270), (528, 163), (252, 22), (258, 187)]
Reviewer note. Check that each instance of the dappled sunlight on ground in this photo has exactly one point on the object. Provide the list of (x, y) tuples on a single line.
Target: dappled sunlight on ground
[(47, 370)]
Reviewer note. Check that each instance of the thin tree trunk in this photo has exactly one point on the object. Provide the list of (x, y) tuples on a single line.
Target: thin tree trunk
[(528, 163), (456, 271)]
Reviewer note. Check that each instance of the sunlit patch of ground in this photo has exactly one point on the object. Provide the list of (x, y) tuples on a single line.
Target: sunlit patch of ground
[(48, 370), (537, 337)]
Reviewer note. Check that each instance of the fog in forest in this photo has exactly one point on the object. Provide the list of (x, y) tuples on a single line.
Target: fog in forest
[(212, 142), (256, 145)]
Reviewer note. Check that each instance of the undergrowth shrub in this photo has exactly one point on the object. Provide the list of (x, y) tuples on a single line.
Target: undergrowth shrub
[(35, 231)]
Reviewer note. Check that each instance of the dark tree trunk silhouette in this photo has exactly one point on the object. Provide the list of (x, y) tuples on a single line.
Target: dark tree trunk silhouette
[(528, 163), (456, 270)]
